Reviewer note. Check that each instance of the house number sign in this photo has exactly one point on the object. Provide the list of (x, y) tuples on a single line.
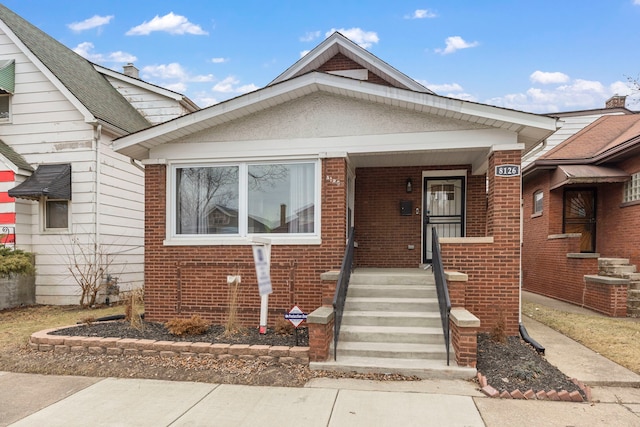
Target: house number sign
[(508, 170)]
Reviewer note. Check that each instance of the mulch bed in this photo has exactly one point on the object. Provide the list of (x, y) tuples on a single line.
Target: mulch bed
[(216, 334), (515, 365)]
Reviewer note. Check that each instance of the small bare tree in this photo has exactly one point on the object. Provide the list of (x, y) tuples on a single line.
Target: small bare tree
[(87, 264)]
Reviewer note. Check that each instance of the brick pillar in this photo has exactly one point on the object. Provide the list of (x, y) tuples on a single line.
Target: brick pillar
[(464, 336), (320, 323), (503, 224)]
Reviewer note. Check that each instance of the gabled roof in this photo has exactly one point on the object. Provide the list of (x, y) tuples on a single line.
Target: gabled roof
[(182, 99), (335, 44), (531, 128), (16, 159), (75, 73), (596, 141)]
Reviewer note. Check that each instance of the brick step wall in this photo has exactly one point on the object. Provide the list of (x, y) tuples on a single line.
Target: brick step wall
[(620, 267)]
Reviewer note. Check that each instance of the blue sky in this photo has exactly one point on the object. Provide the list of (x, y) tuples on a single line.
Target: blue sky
[(538, 56)]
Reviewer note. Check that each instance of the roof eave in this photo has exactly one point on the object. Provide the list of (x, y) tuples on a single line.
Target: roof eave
[(531, 127)]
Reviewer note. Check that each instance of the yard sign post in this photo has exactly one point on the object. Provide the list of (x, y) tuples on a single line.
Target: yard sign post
[(262, 259)]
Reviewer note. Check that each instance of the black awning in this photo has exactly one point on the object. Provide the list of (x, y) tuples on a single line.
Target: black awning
[(52, 181)]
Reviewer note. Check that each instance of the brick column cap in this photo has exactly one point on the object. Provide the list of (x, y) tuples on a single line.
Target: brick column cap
[(464, 318)]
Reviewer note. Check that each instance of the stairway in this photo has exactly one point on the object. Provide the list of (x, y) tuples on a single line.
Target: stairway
[(621, 268), (391, 324)]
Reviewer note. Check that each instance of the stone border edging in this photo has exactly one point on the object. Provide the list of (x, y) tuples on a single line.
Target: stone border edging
[(43, 341), (562, 395)]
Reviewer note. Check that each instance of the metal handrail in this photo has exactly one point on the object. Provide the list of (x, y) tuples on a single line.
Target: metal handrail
[(340, 295), (443, 290)]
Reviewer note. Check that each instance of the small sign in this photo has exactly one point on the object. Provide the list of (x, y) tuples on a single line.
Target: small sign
[(295, 316), (262, 270), (508, 170)]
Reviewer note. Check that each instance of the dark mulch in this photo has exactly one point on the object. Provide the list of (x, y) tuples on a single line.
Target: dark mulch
[(515, 364), (215, 334), (507, 366)]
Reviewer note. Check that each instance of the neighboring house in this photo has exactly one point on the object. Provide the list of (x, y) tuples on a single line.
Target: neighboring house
[(582, 217), (339, 140), (63, 189), (573, 122)]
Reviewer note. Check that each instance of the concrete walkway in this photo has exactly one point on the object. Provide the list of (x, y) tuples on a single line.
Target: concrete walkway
[(36, 400)]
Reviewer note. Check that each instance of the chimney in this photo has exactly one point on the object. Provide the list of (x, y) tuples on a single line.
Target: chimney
[(130, 70), (616, 101)]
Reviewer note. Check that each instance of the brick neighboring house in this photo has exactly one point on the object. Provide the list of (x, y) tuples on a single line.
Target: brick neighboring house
[(339, 140), (582, 217)]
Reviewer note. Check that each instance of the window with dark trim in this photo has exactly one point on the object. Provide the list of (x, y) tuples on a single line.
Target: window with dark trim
[(56, 213)]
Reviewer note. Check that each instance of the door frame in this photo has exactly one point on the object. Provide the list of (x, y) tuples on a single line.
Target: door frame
[(593, 221), (441, 174)]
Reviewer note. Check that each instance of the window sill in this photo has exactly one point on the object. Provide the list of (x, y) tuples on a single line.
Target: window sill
[(536, 215), (633, 203), (243, 241)]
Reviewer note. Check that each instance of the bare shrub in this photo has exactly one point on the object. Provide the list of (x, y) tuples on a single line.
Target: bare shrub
[(134, 303), (283, 326), (232, 326), (195, 325)]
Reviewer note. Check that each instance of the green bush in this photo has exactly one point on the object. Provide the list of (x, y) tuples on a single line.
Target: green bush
[(15, 262)]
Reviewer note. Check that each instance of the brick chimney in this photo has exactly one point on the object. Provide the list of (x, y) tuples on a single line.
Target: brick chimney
[(616, 101), (131, 71)]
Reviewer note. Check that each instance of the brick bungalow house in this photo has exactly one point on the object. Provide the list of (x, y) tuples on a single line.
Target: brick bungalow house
[(339, 140), (582, 218)]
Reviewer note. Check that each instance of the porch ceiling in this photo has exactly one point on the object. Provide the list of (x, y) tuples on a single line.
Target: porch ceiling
[(475, 157)]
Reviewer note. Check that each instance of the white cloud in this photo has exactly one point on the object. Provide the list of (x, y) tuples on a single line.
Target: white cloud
[(446, 87), (421, 14), (170, 23), (578, 94), (548, 77), (310, 36), (173, 71), (230, 85), (455, 43), (85, 50), (304, 52), (364, 39), (219, 60), (93, 22), (636, 2)]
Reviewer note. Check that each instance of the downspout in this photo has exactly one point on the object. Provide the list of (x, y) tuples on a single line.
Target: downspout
[(96, 137)]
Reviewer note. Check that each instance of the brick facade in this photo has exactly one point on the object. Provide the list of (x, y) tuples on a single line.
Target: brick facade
[(546, 268), (493, 268), (382, 234), (181, 281)]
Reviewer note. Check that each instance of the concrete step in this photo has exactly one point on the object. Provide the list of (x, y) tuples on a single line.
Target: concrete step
[(421, 368), (396, 291), (391, 334), (606, 262), (392, 350), (392, 318), (618, 270), (390, 276), (391, 304)]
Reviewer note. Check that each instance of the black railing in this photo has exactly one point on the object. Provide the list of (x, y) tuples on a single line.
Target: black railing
[(341, 290), (441, 286)]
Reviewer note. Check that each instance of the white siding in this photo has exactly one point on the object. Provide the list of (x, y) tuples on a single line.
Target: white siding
[(46, 128), (153, 106)]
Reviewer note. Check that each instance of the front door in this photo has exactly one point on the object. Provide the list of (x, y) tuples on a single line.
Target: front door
[(580, 216), (443, 210)]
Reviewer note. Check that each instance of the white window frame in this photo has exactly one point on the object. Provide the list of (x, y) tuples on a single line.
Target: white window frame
[(43, 211), (537, 211), (631, 191), (243, 237)]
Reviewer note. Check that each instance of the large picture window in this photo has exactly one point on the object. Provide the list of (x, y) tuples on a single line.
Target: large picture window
[(246, 198)]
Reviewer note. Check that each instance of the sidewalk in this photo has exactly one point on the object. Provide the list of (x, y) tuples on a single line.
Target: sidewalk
[(36, 400)]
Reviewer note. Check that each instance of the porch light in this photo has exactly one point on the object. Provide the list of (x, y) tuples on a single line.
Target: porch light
[(409, 185)]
